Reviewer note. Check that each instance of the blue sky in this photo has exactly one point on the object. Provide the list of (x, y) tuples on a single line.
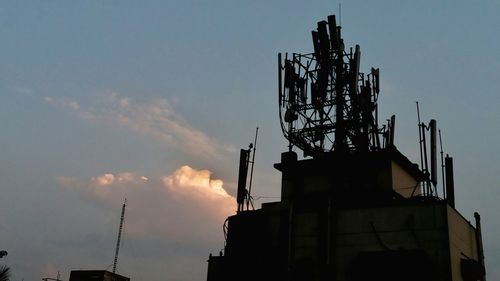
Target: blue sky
[(141, 99)]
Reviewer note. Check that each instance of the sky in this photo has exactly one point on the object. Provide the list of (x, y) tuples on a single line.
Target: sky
[(151, 101)]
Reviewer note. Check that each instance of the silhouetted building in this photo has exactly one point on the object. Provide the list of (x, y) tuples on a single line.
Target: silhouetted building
[(355, 208), (96, 275)]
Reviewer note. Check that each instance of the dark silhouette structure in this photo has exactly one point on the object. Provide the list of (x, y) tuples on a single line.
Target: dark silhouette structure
[(354, 208), (96, 275)]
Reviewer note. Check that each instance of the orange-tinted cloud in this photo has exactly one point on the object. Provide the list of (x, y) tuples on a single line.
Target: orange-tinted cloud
[(105, 179), (197, 186), (186, 205)]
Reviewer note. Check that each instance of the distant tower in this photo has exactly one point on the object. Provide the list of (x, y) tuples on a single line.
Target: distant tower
[(354, 208), (104, 275), (122, 218)]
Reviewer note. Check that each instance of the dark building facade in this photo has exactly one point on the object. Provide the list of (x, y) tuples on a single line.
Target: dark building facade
[(95, 275), (355, 210)]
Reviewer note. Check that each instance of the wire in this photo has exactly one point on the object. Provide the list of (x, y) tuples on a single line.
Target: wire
[(378, 238)]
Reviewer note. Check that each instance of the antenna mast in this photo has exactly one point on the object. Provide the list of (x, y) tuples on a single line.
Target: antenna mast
[(326, 104), (443, 179), (249, 198), (119, 235)]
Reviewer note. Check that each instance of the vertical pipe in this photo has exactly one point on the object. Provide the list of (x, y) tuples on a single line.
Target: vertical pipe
[(357, 58), (442, 166), (450, 188), (280, 91), (479, 243), (374, 127), (332, 28), (391, 132), (386, 135), (420, 141), (426, 165), (242, 178), (377, 81), (316, 47), (432, 127), (251, 170)]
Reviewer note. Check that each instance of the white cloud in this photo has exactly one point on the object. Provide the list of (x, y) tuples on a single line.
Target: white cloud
[(124, 102), (63, 103), (190, 182), (197, 187), (108, 188), (188, 204), (105, 179), (74, 105), (155, 118)]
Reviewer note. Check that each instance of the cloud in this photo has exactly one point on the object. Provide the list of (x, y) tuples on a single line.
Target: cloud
[(108, 188), (126, 177), (155, 118), (197, 183), (186, 205), (197, 186), (63, 103), (67, 181), (105, 179)]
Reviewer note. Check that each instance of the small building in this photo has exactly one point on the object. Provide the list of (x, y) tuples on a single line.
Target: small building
[(96, 275)]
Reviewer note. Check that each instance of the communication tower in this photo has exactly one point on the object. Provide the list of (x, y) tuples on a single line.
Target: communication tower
[(354, 207)]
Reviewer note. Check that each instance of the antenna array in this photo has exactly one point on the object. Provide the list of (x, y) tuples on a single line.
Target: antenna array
[(325, 102), (429, 184), (243, 196)]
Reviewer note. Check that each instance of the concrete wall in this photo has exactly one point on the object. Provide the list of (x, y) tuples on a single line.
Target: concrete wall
[(391, 229), (462, 241), (402, 182)]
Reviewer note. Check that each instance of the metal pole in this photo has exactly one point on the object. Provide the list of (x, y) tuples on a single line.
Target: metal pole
[(420, 140), (479, 242), (443, 179), (115, 262), (251, 170)]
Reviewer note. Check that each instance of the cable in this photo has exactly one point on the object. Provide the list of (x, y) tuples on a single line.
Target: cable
[(378, 238)]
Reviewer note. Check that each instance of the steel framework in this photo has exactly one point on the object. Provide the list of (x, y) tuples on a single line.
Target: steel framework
[(325, 103)]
